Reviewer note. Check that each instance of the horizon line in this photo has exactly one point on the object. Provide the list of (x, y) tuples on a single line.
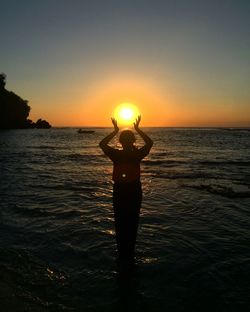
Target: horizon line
[(193, 127)]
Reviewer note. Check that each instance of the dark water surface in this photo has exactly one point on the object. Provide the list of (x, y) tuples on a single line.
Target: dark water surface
[(57, 244)]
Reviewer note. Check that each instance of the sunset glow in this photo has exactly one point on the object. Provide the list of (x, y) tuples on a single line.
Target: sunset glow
[(126, 113)]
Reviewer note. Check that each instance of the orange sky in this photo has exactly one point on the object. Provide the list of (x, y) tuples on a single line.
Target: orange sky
[(158, 106)]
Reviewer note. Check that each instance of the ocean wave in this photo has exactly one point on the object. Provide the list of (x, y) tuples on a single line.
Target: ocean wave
[(170, 162), (77, 156), (165, 163), (161, 154), (224, 162), (235, 129), (23, 210), (231, 191), (66, 187), (46, 147), (185, 175)]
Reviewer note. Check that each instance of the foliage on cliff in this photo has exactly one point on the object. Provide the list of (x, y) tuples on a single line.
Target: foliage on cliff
[(14, 111)]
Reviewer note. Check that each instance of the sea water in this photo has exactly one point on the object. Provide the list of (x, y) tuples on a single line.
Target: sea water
[(57, 239)]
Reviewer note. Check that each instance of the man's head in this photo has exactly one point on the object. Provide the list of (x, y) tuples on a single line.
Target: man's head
[(127, 138)]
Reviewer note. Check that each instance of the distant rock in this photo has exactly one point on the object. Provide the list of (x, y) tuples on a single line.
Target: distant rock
[(42, 124), (14, 111)]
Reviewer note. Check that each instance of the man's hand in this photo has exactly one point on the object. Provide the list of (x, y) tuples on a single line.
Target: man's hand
[(137, 122), (114, 122)]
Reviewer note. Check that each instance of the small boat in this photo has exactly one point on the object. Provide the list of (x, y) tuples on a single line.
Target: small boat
[(85, 131)]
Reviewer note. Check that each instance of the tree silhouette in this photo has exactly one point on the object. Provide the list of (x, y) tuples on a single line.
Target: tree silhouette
[(14, 111), (2, 81)]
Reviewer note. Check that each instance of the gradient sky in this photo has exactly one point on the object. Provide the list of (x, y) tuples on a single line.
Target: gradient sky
[(183, 63)]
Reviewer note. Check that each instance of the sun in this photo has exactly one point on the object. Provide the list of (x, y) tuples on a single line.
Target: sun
[(126, 113)]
